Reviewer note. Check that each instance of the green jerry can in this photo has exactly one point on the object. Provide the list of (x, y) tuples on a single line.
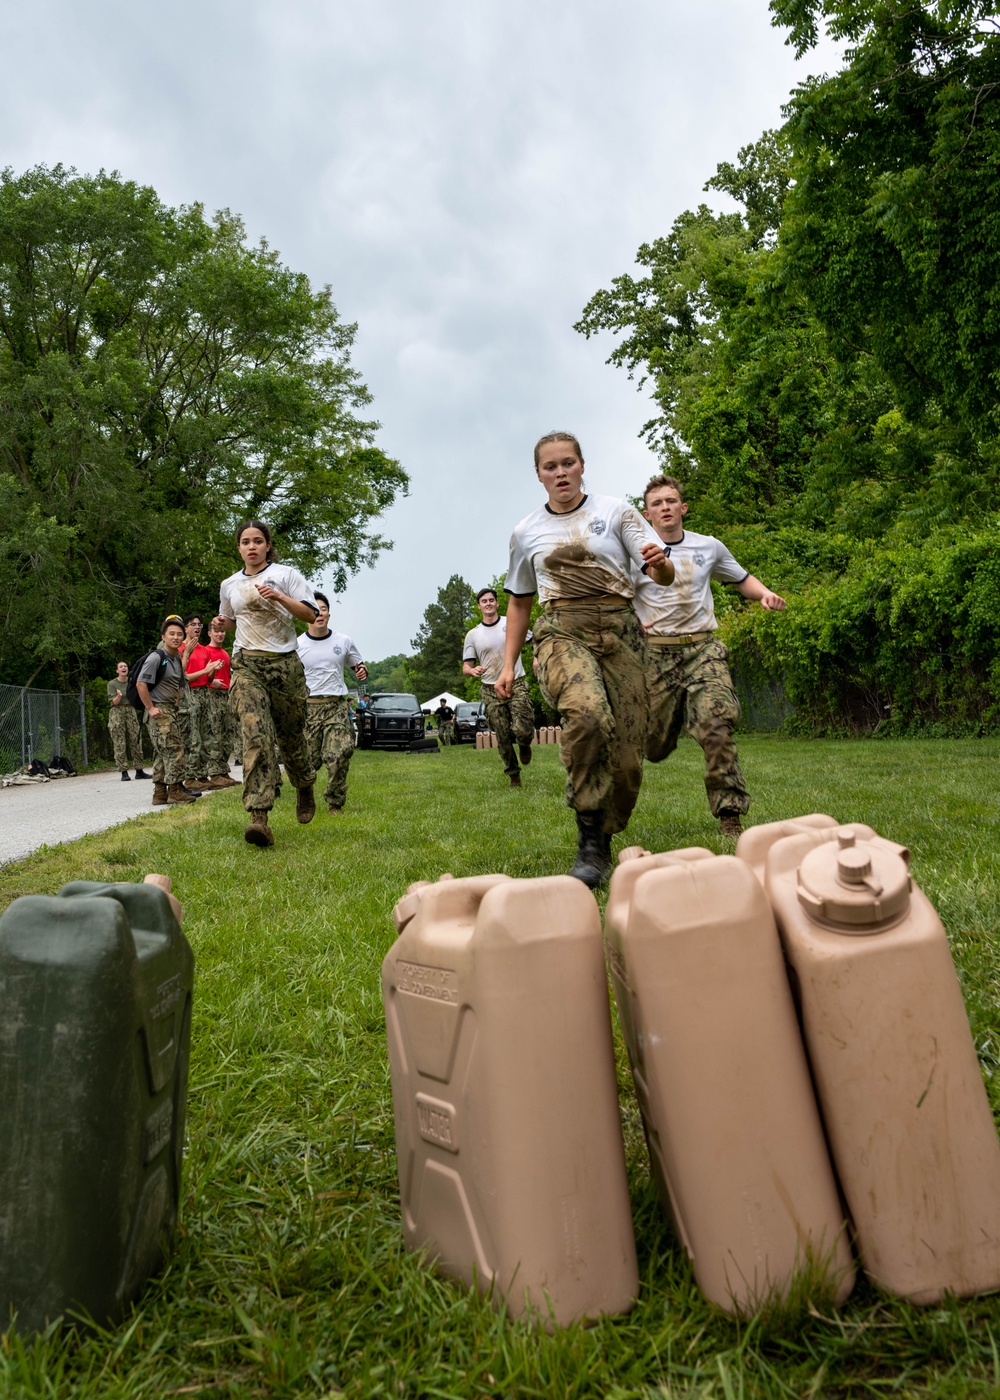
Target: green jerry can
[(95, 1028)]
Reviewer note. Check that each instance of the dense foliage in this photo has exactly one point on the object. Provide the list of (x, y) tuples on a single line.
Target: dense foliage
[(437, 662), (160, 379), (824, 364)]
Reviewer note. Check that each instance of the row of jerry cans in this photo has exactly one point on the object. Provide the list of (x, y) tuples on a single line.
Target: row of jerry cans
[(95, 1025), (781, 1127), (487, 739)]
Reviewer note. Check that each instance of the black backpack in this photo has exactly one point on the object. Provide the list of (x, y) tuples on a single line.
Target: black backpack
[(131, 694)]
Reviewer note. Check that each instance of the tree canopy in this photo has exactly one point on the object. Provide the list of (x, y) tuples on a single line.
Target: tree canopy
[(161, 379), (437, 661), (824, 362)]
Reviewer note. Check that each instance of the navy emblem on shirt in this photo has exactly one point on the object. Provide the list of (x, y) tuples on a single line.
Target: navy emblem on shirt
[(699, 558), (597, 527)]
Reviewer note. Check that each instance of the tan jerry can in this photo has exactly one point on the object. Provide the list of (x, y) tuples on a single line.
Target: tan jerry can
[(756, 841), (508, 1134), (479, 741), (722, 1080), (906, 1113)]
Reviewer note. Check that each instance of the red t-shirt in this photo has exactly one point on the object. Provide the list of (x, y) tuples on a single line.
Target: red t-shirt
[(218, 654)]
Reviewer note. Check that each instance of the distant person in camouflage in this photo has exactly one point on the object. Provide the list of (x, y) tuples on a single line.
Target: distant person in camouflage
[(217, 724), (513, 720), (445, 717), (690, 687), (158, 686), (268, 692), (577, 552), (123, 723), (324, 654)]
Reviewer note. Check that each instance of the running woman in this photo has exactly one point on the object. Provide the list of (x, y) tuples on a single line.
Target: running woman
[(268, 691), (513, 720), (324, 654), (577, 552)]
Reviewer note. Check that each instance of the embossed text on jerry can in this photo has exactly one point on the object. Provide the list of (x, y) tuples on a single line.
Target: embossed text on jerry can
[(508, 1135), (899, 1083), (722, 1080), (95, 1016)]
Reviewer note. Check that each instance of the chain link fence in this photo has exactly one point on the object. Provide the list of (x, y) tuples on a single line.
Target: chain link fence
[(40, 724)]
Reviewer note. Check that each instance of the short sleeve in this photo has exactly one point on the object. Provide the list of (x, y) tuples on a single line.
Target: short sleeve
[(636, 531), (225, 606), (112, 689), (520, 581), (150, 668), (354, 657), (298, 588), (469, 652), (725, 567)]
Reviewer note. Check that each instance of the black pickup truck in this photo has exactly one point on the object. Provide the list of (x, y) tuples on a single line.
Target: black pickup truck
[(389, 720)]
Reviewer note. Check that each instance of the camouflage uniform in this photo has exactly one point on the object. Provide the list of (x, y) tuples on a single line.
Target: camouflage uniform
[(215, 732), (184, 713), (198, 740), (168, 746), (591, 656), (446, 729), (690, 688), (513, 721), (331, 741), (126, 736), (268, 693), (234, 732)]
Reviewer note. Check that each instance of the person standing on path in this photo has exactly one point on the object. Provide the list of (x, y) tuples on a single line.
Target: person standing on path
[(200, 668), (329, 735), (577, 552), (123, 724), (268, 691), (216, 721), (513, 720), (445, 717), (690, 686), (158, 686)]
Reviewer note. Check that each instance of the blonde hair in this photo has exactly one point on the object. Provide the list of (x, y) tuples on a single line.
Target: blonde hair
[(557, 437)]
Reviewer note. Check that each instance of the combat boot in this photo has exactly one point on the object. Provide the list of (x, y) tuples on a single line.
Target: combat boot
[(524, 754), (221, 780), (593, 857), (258, 833), (731, 825), (141, 773), (305, 804), (178, 793), (159, 794), (125, 776)]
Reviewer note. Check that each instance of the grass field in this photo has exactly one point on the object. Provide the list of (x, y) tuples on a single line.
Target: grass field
[(288, 1277)]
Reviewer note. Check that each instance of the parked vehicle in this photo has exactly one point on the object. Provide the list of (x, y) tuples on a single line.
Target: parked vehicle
[(470, 718), (389, 720)]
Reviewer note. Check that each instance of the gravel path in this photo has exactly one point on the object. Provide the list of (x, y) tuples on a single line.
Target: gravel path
[(66, 808)]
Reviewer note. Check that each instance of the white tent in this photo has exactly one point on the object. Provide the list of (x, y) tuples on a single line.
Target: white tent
[(445, 695)]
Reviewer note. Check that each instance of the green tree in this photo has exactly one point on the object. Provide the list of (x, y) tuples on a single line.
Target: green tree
[(437, 662), (390, 674), (160, 380)]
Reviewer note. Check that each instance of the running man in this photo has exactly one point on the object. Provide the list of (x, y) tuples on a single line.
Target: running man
[(513, 720), (329, 735), (689, 682), (123, 724), (159, 685)]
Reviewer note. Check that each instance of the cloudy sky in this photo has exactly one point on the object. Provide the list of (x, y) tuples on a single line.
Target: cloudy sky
[(465, 174)]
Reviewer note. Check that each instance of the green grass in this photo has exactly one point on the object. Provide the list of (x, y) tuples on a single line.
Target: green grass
[(288, 1277)]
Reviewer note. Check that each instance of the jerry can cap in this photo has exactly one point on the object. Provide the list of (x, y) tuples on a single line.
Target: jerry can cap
[(854, 882)]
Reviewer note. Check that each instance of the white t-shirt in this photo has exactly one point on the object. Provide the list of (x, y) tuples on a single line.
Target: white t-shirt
[(686, 606), (324, 659), (586, 551), (262, 624), (484, 646)]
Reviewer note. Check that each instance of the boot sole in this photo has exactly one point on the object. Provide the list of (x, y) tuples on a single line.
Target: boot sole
[(259, 836)]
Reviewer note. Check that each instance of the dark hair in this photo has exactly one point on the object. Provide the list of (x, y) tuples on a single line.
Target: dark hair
[(656, 482), (272, 555), (321, 596), (486, 590), (558, 437), (172, 621), (193, 617)]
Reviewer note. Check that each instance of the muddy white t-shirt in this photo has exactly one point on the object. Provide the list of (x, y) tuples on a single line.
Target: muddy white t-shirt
[(686, 606), (324, 659), (263, 624), (484, 646), (590, 550)]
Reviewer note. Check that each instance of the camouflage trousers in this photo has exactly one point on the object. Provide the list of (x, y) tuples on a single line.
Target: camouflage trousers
[(168, 746), (126, 736), (591, 656), (331, 742), (690, 689), (234, 734), (214, 724), (513, 722), (268, 693), (446, 730)]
